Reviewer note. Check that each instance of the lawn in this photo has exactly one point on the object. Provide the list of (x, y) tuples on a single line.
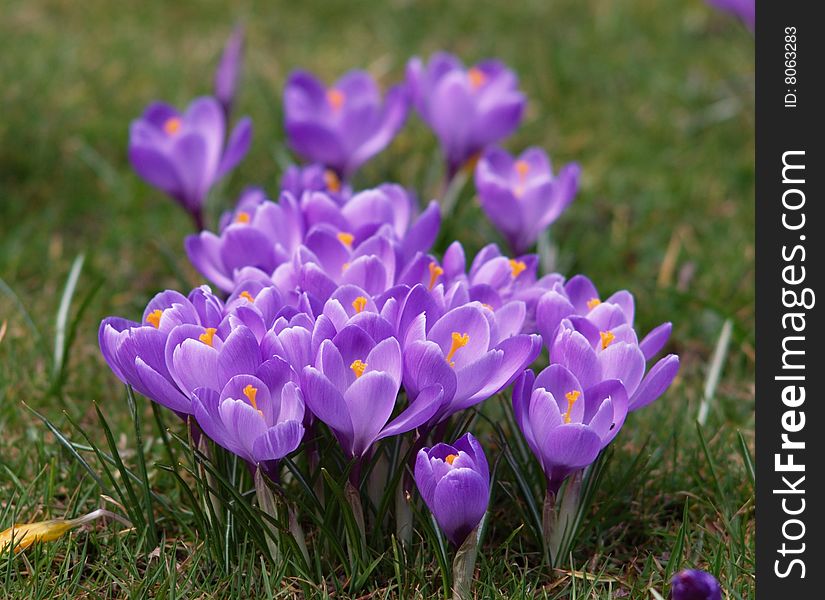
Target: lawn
[(654, 98)]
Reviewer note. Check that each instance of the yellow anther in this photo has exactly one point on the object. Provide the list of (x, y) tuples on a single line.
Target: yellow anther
[(154, 317), (593, 303), (522, 168), (517, 267), (251, 393), (488, 307), (346, 239), (607, 337), (344, 267), (172, 125), (477, 77), (206, 336), (571, 400), (435, 273), (450, 458), (243, 217), (332, 181), (336, 99), (359, 304), (459, 340), (358, 367), (248, 296)]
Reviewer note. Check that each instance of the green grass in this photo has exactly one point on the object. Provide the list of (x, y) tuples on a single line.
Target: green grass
[(653, 97)]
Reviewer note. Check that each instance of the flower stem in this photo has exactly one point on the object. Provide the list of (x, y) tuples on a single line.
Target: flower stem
[(464, 566)]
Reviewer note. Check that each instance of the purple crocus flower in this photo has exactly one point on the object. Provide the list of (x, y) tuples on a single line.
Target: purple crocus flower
[(745, 10), (693, 584), (353, 388), (466, 353), (260, 236), (454, 481), (228, 71), (565, 423), (344, 125), (468, 109), (594, 353), (136, 351), (259, 418), (521, 196), (315, 178), (183, 154)]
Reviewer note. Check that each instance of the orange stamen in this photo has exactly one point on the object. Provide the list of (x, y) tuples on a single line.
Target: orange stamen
[(206, 336), (358, 367), (251, 393), (332, 181), (607, 337), (450, 458), (336, 99), (172, 125), (593, 303), (435, 273), (154, 317), (517, 267), (248, 296), (571, 400), (477, 78), (459, 340), (346, 239), (242, 217), (359, 304)]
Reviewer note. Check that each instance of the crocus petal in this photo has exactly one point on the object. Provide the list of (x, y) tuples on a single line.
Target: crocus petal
[(459, 502), (420, 410), (654, 341), (236, 147), (370, 402), (278, 441), (655, 382)]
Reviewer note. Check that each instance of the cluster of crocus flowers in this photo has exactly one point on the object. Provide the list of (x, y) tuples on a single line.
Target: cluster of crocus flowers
[(333, 310)]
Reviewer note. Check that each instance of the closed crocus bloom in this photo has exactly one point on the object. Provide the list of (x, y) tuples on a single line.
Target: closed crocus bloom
[(692, 584), (261, 236), (566, 425), (468, 109), (184, 154), (353, 388), (465, 353), (258, 417), (454, 481), (343, 125), (595, 353), (228, 71), (521, 196), (745, 10), (135, 351)]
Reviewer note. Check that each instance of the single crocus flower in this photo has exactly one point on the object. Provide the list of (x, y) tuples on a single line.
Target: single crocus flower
[(353, 388), (454, 481), (467, 108), (343, 125), (521, 196), (744, 10), (184, 154), (693, 584), (135, 351), (566, 425), (228, 71)]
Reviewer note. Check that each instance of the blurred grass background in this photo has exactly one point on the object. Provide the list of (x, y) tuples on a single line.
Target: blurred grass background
[(654, 98)]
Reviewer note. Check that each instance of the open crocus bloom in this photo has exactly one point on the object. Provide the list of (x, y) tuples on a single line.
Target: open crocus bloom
[(344, 125), (465, 353), (454, 481), (135, 351), (315, 178), (259, 418), (566, 425), (521, 196), (468, 109), (183, 154), (353, 388), (596, 353)]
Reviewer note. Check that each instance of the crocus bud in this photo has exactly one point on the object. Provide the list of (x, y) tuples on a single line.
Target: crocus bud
[(454, 481), (228, 71), (692, 584)]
